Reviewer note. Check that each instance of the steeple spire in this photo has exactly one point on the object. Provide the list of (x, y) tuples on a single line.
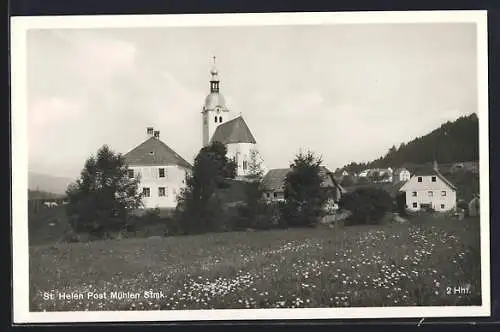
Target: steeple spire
[(214, 82)]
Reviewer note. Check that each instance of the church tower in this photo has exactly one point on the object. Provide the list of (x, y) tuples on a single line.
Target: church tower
[(214, 111)]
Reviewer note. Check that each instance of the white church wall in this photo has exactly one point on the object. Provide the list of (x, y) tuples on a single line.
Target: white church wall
[(172, 182), (241, 153)]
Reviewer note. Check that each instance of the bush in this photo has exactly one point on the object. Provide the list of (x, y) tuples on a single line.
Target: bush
[(368, 205), (263, 216)]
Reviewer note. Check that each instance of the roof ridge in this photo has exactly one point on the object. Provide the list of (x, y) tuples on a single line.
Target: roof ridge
[(138, 156)]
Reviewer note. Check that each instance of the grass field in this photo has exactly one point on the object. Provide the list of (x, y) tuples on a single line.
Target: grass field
[(420, 263)]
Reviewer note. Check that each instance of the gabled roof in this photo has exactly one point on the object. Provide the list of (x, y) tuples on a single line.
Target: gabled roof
[(274, 179), (154, 152), (233, 131), (429, 171)]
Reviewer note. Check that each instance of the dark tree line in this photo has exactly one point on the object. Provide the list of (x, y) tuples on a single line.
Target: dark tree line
[(452, 142)]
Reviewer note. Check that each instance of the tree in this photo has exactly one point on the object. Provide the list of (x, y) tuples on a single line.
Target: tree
[(102, 198), (255, 171), (198, 206), (367, 204), (304, 196)]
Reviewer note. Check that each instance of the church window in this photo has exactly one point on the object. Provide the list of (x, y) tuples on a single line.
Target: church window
[(161, 172), (220, 119), (215, 119), (161, 191)]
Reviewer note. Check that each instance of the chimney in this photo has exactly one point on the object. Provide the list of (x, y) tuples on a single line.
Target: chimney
[(157, 134), (150, 132)]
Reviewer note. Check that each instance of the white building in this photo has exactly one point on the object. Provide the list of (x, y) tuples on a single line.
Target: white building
[(162, 172), (401, 175), (217, 126), (428, 188)]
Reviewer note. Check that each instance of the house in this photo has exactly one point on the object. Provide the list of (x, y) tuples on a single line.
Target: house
[(233, 133), (364, 173), (160, 170), (428, 188), (401, 175), (273, 184)]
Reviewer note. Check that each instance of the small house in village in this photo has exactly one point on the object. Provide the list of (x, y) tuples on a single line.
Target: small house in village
[(401, 175), (161, 171), (429, 189), (273, 184)]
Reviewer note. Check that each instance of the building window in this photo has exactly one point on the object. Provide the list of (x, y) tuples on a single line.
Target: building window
[(442, 206), (161, 191), (130, 173), (146, 192), (268, 195), (244, 164), (275, 195), (414, 194), (161, 172), (220, 119), (433, 179), (419, 179), (443, 193), (430, 193), (414, 205)]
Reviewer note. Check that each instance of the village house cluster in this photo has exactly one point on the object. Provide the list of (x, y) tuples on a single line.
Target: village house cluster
[(162, 171)]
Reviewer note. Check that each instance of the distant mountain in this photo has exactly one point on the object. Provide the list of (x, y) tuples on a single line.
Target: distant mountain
[(452, 142), (47, 183)]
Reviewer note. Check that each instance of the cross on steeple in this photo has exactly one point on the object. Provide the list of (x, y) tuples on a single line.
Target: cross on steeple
[(214, 82)]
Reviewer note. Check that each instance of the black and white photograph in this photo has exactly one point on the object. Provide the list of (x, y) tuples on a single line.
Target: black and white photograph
[(250, 166)]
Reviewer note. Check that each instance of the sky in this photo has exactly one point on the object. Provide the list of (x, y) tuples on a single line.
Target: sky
[(347, 92)]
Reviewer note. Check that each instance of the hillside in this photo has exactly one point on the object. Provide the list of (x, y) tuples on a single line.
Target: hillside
[(452, 142), (47, 183)]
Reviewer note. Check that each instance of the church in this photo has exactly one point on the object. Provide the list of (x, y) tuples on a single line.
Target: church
[(233, 133), (162, 171)]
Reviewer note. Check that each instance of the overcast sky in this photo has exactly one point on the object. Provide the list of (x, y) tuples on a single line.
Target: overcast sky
[(347, 92)]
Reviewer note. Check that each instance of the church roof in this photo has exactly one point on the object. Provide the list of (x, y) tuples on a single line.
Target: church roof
[(154, 152), (233, 131)]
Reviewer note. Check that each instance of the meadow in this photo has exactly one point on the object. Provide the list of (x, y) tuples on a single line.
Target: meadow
[(412, 264)]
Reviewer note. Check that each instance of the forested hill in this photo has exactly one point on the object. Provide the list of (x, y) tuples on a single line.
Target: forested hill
[(455, 141)]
